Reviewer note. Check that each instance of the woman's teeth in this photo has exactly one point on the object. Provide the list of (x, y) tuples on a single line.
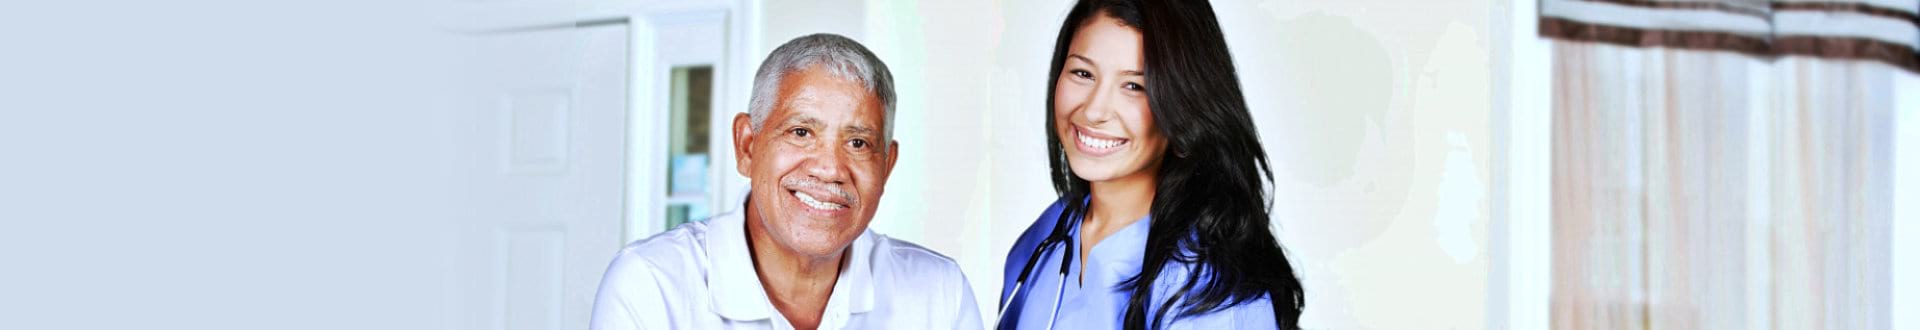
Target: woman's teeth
[(815, 203), (1099, 143)]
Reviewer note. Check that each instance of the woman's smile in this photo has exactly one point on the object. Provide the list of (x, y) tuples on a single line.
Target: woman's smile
[(1094, 144)]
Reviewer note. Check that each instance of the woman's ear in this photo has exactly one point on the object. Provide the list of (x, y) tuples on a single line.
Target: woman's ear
[(743, 143)]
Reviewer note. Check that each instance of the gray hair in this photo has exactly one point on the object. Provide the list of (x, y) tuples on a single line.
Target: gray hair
[(840, 56)]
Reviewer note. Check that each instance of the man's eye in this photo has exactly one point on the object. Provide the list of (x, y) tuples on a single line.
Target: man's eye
[(800, 132), (857, 144)]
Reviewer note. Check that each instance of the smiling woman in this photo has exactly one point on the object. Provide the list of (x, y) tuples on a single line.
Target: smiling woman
[(1161, 199)]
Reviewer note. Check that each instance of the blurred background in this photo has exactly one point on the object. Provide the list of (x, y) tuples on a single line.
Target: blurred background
[(1450, 164)]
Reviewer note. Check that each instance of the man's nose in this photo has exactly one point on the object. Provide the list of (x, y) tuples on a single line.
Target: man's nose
[(826, 163)]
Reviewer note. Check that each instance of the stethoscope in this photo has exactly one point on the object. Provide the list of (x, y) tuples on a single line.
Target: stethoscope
[(1061, 237)]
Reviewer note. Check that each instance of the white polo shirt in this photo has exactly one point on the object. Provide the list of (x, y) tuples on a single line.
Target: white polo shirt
[(700, 276)]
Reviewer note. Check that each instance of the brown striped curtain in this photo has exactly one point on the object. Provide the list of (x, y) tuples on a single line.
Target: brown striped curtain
[(1887, 31), (1715, 168)]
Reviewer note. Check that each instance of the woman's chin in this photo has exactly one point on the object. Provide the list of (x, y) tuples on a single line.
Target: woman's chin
[(1094, 172)]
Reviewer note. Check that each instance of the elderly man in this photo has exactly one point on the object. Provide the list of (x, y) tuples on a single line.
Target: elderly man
[(817, 145)]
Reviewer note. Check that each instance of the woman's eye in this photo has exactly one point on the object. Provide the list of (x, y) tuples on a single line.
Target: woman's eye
[(801, 132), (1083, 74), (1133, 87)]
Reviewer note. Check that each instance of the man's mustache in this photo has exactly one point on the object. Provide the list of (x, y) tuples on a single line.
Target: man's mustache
[(816, 185)]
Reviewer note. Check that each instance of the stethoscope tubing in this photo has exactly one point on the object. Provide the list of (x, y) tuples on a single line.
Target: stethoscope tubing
[(1060, 237)]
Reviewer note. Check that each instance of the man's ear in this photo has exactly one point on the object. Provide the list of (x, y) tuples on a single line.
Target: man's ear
[(743, 143), (893, 156)]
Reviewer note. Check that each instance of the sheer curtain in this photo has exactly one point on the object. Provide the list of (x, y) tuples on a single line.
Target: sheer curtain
[(1713, 190), (1709, 174), (1831, 194), (1650, 209)]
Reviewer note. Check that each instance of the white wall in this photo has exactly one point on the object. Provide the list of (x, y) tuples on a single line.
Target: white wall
[(223, 166)]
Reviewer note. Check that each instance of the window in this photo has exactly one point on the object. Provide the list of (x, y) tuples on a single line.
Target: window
[(689, 160)]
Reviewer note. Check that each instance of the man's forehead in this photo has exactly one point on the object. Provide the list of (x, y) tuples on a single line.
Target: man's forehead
[(816, 80), (817, 97)]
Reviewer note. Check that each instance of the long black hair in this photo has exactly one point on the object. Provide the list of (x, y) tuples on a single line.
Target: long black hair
[(1210, 205)]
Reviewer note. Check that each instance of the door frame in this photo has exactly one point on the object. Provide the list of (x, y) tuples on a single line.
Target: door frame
[(646, 146), (1519, 230), (649, 82)]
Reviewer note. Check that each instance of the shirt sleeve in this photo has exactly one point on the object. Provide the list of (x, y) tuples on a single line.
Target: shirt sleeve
[(969, 315), (630, 297)]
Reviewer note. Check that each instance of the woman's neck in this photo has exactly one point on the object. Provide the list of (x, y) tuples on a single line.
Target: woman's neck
[(1119, 202), (1115, 204)]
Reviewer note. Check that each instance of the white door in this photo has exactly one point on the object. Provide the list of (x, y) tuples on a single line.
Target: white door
[(541, 120)]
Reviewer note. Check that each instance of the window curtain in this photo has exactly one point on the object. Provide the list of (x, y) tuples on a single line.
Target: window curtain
[(1887, 31), (1724, 164), (1830, 203)]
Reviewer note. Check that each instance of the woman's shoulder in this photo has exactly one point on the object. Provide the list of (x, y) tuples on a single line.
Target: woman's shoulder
[(1042, 226), (1044, 223)]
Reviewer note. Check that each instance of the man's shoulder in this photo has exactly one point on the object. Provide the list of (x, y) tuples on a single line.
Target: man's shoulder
[(913, 258), (683, 247), (649, 283), (931, 283)]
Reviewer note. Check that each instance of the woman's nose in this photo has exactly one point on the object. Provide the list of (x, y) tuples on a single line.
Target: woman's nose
[(1098, 108)]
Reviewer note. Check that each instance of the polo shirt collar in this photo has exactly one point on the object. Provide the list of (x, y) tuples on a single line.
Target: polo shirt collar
[(736, 288)]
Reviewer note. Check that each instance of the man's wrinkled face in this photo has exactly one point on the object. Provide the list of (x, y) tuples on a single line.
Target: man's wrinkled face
[(818, 163)]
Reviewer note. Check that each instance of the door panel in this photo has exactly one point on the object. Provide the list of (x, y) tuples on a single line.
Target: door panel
[(542, 127)]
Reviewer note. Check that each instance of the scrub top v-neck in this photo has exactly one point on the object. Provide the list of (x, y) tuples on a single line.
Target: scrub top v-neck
[(1098, 301)]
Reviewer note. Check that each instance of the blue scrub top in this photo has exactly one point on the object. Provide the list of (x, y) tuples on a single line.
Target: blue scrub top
[(1100, 302)]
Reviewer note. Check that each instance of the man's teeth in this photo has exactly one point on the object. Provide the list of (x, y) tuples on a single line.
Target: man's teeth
[(815, 203), (1098, 143)]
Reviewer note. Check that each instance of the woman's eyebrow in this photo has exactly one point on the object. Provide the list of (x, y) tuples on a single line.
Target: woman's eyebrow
[(1084, 59), (1090, 62)]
